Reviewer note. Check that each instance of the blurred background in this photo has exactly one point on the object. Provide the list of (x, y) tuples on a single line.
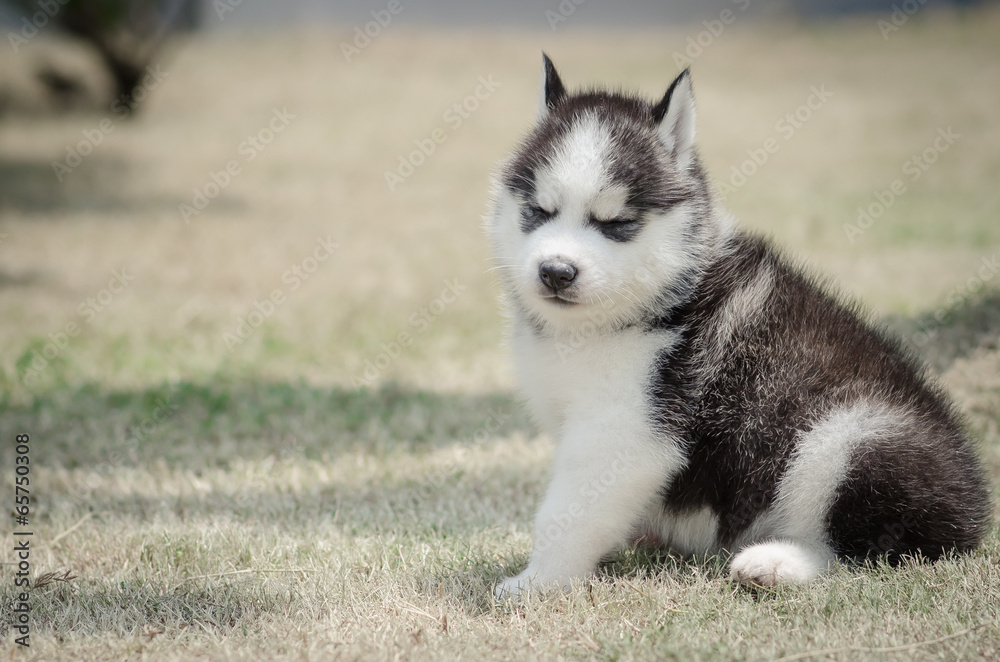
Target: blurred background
[(248, 320), (192, 189)]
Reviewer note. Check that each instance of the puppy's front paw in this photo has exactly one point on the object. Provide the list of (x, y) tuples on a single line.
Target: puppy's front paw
[(517, 588)]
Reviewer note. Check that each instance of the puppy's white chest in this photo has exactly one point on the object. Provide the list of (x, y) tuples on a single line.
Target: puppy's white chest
[(587, 376)]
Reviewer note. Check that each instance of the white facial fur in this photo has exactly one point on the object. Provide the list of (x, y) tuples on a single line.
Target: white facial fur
[(616, 281)]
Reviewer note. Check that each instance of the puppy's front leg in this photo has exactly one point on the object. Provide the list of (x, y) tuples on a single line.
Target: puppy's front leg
[(606, 474)]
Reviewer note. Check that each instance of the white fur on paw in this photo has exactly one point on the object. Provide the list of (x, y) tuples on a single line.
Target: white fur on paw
[(517, 588), (774, 563), (531, 582)]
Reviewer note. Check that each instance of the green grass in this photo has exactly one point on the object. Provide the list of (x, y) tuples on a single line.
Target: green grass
[(271, 518), (258, 504)]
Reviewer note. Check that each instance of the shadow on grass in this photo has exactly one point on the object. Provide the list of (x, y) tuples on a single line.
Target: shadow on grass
[(950, 332), (473, 580), (280, 427), (224, 425), (13, 280), (639, 561), (192, 426), (129, 608)]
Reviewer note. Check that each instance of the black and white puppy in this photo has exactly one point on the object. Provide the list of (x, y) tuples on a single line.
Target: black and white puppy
[(703, 391)]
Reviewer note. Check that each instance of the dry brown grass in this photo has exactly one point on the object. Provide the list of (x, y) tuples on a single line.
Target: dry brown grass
[(268, 509)]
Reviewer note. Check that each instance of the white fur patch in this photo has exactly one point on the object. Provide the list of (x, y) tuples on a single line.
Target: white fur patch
[(742, 306), (687, 534), (819, 464), (779, 562), (576, 173), (609, 202), (610, 462)]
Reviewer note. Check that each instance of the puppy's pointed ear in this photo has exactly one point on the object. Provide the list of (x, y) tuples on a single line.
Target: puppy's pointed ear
[(553, 91), (675, 117)]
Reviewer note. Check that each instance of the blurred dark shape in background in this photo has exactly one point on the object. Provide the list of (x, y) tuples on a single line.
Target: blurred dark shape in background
[(127, 35), (65, 89)]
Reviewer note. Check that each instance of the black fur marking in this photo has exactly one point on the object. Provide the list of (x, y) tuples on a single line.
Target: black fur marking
[(775, 377), (533, 217), (618, 230), (660, 109), (554, 90), (920, 491), (637, 158)]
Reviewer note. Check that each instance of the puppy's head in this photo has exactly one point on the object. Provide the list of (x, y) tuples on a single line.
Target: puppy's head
[(598, 214)]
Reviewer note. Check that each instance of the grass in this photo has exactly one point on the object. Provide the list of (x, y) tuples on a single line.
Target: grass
[(272, 499)]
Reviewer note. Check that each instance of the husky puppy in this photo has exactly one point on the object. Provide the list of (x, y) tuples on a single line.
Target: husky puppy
[(702, 391)]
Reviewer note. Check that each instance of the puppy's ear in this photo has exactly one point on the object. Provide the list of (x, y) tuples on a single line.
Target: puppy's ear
[(675, 117), (553, 91)]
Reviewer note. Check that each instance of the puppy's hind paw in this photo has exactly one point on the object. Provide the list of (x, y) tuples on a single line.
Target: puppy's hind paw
[(778, 562)]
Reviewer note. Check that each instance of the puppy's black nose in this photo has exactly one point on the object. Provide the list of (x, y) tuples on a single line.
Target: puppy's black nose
[(556, 275)]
